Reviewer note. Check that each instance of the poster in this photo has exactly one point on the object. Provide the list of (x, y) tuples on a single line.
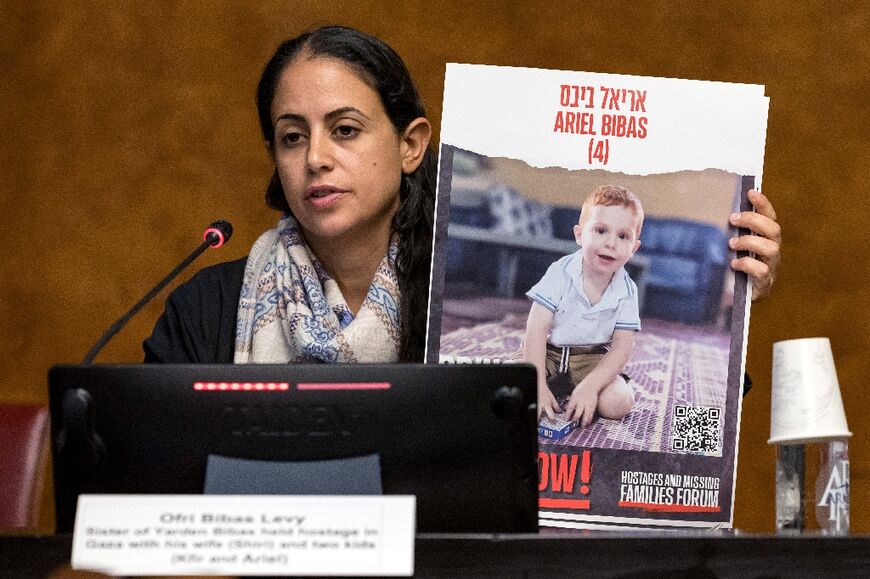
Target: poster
[(521, 150)]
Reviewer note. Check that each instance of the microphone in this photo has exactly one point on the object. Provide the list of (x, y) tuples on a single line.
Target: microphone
[(216, 235)]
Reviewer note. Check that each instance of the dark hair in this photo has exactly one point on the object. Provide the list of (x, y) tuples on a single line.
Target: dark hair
[(383, 70)]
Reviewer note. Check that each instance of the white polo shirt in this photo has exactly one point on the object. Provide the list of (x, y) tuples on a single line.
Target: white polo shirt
[(576, 322)]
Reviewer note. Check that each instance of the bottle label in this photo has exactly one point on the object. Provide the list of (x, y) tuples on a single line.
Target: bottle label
[(836, 497)]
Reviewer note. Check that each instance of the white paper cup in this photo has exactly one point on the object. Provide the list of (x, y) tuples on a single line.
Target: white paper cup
[(805, 401)]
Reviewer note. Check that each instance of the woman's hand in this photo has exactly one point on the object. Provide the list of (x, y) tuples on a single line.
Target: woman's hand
[(765, 244)]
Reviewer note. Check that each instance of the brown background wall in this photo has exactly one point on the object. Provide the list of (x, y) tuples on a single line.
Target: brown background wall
[(127, 126)]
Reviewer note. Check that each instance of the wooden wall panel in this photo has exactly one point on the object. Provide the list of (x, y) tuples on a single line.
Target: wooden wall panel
[(127, 126)]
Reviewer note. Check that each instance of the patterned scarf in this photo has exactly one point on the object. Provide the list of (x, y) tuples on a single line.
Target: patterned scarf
[(290, 310)]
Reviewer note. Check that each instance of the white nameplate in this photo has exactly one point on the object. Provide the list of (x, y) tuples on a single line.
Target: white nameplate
[(245, 535)]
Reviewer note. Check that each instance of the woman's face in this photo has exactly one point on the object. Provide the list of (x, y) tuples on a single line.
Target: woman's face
[(338, 155)]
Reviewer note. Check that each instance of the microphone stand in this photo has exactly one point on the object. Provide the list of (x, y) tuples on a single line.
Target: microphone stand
[(77, 437), (211, 238)]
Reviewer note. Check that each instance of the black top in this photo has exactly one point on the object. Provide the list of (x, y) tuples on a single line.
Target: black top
[(199, 323)]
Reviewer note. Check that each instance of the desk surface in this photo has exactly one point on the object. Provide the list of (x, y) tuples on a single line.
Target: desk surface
[(559, 556)]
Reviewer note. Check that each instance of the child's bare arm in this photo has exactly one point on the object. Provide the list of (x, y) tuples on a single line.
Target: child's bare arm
[(584, 398), (535, 351)]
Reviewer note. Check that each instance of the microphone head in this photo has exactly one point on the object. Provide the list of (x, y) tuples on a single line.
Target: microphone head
[(218, 233)]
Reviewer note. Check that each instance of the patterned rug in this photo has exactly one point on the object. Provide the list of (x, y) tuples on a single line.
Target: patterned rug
[(672, 365)]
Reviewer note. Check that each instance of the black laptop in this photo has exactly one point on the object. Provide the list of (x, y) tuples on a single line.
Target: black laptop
[(462, 438)]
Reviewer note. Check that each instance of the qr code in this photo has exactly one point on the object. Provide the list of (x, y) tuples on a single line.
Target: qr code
[(697, 430)]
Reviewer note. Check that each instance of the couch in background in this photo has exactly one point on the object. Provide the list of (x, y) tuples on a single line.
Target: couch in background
[(687, 265)]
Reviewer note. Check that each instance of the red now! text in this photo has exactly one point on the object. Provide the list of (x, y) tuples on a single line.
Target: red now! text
[(561, 473)]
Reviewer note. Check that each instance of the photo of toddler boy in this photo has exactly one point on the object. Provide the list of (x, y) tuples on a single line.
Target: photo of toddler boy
[(580, 331)]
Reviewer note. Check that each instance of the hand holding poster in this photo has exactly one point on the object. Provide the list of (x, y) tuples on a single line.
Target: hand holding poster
[(629, 309)]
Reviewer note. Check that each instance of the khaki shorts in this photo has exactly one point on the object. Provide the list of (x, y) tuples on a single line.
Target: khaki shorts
[(568, 366)]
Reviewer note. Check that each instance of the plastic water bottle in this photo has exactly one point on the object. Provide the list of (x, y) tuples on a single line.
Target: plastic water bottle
[(823, 469)]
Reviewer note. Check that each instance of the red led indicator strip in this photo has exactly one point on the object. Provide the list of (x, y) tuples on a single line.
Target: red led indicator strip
[(344, 386), (241, 386)]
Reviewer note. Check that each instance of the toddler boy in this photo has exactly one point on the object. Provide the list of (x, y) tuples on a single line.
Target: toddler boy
[(584, 315)]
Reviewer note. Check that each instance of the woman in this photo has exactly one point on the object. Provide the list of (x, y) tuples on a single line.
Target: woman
[(344, 276)]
